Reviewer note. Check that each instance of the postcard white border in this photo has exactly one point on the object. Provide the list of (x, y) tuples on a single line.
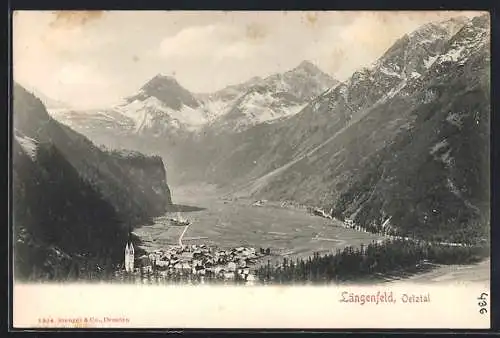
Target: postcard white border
[(451, 306)]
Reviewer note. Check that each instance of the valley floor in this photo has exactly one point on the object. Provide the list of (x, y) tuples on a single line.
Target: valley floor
[(288, 232)]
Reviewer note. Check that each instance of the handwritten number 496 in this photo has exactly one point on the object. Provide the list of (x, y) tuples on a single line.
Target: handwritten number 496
[(483, 303)]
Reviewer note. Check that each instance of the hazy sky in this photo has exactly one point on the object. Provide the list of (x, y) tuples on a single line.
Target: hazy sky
[(90, 59)]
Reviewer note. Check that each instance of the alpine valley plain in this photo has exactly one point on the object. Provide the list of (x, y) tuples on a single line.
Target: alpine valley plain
[(401, 148)]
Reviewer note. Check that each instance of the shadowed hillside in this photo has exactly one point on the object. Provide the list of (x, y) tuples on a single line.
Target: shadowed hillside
[(407, 138), (72, 201), (421, 157)]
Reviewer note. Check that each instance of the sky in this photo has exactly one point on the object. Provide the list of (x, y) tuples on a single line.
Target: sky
[(90, 59)]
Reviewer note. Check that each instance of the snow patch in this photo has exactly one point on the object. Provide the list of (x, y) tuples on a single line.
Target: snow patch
[(392, 92), (107, 117), (447, 159), (430, 61), (57, 111), (216, 108), (454, 119), (143, 113), (29, 145), (144, 122), (426, 41), (344, 91), (259, 108), (438, 146), (453, 188), (157, 190), (430, 95), (389, 72), (415, 75), (331, 89), (452, 55)]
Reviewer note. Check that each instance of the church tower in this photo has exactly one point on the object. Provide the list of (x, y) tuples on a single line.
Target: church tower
[(131, 257), (129, 254)]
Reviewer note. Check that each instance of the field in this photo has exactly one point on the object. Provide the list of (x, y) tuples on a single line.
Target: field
[(287, 232)]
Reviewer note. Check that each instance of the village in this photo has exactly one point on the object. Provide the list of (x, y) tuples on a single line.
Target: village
[(194, 260)]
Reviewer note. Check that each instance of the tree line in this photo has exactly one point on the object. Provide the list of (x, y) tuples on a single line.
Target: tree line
[(380, 259), (376, 260)]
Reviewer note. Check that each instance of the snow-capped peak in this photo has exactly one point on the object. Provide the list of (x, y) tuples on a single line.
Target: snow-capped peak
[(168, 90)]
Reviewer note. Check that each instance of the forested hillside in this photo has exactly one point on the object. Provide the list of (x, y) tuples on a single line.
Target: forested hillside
[(73, 202)]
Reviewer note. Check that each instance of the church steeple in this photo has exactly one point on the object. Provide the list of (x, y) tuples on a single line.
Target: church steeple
[(131, 257), (127, 256), (129, 253)]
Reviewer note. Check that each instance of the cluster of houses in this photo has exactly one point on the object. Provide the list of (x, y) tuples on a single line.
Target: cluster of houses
[(349, 224), (383, 230), (283, 204), (321, 213), (199, 260), (259, 203), (292, 204)]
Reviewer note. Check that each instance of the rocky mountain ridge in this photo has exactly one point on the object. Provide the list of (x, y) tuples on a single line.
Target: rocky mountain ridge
[(419, 156), (162, 107), (265, 148)]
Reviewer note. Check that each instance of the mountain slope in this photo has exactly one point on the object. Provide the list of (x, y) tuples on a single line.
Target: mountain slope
[(32, 120), (406, 138), (71, 198), (263, 149), (420, 157)]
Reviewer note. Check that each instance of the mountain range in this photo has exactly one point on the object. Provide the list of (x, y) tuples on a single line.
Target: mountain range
[(163, 107), (405, 139)]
